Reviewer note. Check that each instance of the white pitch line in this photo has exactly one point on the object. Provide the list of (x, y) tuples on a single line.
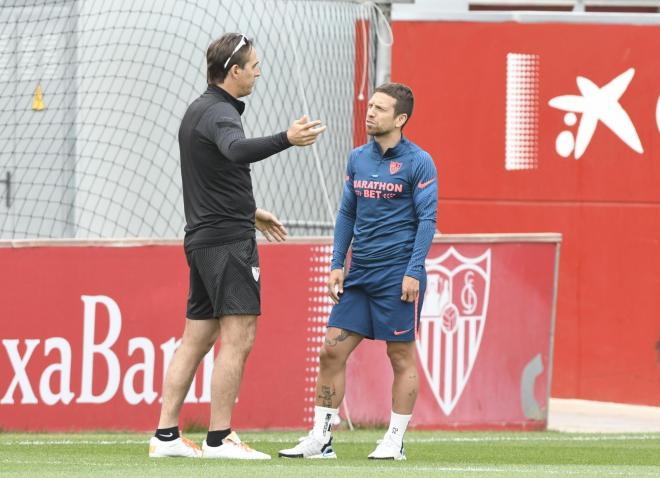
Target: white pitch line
[(347, 439), (537, 471), (74, 442), (9, 461), (533, 439), (560, 470)]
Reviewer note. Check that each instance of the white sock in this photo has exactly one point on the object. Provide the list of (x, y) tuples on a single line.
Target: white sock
[(323, 423), (398, 425)]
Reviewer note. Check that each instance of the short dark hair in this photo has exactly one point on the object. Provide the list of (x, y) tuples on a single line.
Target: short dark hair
[(403, 95), (218, 53)]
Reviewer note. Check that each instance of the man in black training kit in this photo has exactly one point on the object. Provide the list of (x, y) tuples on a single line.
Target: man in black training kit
[(220, 246)]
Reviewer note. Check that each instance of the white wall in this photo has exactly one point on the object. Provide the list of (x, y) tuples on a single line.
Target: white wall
[(421, 6)]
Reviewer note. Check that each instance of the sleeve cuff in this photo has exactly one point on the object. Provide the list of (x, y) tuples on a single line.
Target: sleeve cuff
[(415, 273)]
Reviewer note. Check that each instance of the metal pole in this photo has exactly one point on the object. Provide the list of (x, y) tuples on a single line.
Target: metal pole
[(7, 182), (383, 51)]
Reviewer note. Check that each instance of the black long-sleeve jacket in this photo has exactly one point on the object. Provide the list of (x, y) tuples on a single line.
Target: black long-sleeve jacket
[(215, 168)]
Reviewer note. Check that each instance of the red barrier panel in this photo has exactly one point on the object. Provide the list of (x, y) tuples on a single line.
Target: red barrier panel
[(483, 343), (87, 333), (555, 127)]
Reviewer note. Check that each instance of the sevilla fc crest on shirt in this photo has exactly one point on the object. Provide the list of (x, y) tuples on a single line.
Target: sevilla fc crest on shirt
[(452, 322), (394, 167)]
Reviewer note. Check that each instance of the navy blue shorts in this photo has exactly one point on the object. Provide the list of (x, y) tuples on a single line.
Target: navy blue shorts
[(371, 304)]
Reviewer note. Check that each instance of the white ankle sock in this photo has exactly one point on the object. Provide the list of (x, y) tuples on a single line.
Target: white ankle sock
[(398, 425), (323, 423)]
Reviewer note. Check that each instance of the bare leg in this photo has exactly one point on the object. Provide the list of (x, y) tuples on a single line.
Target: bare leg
[(330, 386), (198, 338), (331, 381), (406, 382), (237, 333)]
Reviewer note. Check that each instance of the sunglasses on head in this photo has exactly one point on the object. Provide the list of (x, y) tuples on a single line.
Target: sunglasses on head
[(240, 45)]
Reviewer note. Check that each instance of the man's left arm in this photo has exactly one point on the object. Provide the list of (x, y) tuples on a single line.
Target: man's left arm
[(425, 202)]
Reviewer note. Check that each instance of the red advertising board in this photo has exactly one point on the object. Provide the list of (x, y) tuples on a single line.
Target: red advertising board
[(484, 341), (88, 331), (550, 126)]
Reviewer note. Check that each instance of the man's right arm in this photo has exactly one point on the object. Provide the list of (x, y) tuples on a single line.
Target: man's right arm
[(344, 226), (345, 221)]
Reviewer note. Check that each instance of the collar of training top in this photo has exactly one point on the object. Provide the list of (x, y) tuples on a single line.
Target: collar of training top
[(238, 104), (391, 152)]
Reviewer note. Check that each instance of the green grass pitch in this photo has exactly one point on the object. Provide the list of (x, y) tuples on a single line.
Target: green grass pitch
[(437, 454)]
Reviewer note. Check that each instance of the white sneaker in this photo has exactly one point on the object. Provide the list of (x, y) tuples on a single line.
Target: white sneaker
[(388, 449), (181, 447), (232, 448), (310, 447)]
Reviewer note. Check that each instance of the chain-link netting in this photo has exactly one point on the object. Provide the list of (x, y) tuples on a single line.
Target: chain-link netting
[(92, 93)]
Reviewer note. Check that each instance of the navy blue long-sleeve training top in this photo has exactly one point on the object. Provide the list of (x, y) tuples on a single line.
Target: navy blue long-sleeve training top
[(388, 207)]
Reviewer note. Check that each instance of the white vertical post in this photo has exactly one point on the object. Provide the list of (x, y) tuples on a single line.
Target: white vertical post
[(383, 50)]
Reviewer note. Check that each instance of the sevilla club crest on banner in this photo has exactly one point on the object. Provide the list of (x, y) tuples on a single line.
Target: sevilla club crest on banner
[(394, 167), (452, 322)]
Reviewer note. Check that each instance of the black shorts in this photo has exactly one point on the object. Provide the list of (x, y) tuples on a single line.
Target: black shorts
[(224, 280)]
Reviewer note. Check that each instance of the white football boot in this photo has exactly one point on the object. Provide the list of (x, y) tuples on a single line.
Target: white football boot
[(310, 447), (181, 447), (388, 449), (234, 449)]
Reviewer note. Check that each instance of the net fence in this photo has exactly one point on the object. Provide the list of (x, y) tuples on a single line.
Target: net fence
[(92, 93)]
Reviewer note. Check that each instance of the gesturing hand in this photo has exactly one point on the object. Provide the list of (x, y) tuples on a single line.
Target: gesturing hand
[(303, 132), (270, 226)]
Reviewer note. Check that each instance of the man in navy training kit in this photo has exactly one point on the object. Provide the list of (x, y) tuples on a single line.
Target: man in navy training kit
[(220, 246), (388, 209)]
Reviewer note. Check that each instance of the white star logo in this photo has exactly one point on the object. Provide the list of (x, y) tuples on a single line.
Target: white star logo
[(596, 104)]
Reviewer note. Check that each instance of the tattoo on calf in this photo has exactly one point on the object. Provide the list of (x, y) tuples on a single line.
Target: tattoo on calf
[(326, 395)]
